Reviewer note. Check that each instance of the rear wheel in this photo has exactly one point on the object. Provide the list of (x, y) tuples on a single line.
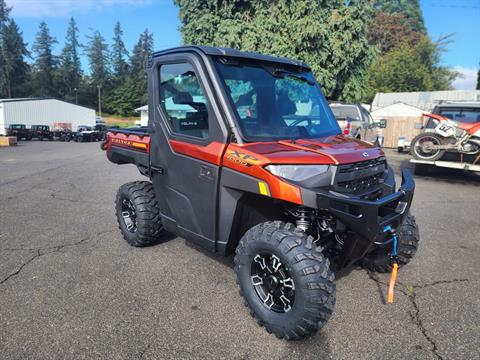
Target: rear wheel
[(424, 147), (408, 241), (138, 214), (285, 280)]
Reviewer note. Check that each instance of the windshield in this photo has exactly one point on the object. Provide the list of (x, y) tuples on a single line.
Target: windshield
[(18, 126), (274, 102), (462, 115), (342, 112)]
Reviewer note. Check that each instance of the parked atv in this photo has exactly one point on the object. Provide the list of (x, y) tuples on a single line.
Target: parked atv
[(41, 132), (20, 131), (245, 156), (84, 134)]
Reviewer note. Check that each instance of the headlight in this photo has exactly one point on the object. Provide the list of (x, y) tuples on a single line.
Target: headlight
[(297, 172)]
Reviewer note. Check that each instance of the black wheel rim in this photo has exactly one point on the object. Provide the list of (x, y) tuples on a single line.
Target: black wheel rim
[(129, 216), (424, 147), (272, 282)]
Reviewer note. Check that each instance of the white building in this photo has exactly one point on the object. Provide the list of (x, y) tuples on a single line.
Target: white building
[(143, 115), (397, 110), (425, 100), (50, 112)]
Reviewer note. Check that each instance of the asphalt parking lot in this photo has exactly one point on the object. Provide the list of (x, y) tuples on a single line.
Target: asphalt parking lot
[(70, 286)]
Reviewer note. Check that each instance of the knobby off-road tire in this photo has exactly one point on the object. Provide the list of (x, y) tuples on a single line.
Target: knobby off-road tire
[(408, 241), (302, 261), (138, 199)]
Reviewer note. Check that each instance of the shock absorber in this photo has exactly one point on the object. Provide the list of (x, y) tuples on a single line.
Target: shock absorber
[(304, 217)]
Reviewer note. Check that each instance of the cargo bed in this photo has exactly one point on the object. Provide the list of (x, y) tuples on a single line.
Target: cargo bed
[(129, 146)]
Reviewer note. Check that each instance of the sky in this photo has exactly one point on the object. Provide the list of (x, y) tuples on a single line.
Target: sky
[(458, 17)]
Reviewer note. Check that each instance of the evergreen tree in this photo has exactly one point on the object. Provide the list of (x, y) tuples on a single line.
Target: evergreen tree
[(98, 57), (478, 79), (330, 35), (70, 70), (4, 12), (142, 51), (45, 64), (119, 53), (14, 68)]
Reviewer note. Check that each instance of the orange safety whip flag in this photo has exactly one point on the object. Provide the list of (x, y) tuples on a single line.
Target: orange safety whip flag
[(391, 284)]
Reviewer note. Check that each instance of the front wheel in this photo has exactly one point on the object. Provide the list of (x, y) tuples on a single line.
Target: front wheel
[(285, 280), (407, 246), (424, 147)]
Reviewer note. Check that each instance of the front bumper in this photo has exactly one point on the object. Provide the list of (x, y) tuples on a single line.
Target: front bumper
[(365, 220), (369, 218)]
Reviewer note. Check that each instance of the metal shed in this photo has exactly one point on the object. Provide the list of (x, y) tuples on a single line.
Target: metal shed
[(424, 100), (33, 111)]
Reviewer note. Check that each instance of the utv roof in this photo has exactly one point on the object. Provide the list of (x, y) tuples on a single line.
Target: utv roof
[(228, 52)]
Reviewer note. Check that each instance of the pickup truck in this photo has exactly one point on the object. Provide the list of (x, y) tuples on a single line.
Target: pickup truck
[(20, 131), (243, 155), (356, 121)]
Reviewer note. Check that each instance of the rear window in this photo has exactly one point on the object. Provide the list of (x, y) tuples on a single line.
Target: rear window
[(341, 112), (462, 114)]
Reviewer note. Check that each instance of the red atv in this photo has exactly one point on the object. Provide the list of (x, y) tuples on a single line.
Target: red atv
[(245, 156)]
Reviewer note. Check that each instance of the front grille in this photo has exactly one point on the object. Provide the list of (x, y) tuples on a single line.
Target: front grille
[(361, 185), (360, 178), (361, 165)]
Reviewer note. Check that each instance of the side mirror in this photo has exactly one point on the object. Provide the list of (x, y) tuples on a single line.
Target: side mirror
[(382, 124)]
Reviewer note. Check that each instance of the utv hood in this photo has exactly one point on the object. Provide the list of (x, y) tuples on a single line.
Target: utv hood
[(330, 150)]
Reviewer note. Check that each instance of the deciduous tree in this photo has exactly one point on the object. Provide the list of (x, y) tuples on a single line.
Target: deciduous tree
[(410, 9)]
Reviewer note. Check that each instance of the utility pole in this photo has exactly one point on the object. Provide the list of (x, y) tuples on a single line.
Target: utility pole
[(76, 96), (99, 100)]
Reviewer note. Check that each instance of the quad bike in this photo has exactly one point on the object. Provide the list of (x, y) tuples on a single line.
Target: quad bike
[(244, 156), (446, 135)]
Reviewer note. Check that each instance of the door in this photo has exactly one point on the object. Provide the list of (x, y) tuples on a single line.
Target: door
[(369, 131), (188, 139)]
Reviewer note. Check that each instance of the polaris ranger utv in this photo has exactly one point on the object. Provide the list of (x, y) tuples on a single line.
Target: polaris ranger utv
[(245, 156)]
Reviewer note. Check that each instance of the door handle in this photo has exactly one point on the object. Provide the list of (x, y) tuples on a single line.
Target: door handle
[(157, 169), (206, 172)]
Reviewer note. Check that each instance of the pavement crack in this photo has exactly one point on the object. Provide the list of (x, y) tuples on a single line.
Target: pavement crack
[(61, 246), (439, 282), (44, 251), (143, 352), (410, 292), (372, 276), (417, 320), (19, 270)]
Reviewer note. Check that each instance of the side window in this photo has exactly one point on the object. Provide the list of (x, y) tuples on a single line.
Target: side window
[(183, 100), (366, 115)]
